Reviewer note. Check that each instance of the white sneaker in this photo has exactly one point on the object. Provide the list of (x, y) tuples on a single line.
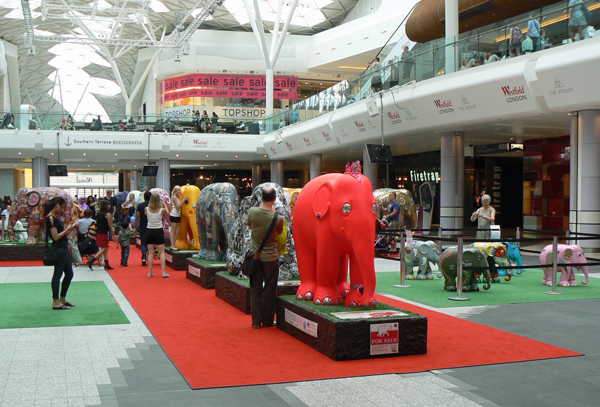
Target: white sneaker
[(165, 275)]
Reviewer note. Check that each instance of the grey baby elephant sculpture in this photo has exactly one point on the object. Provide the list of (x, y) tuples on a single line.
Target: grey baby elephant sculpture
[(421, 254), (472, 257)]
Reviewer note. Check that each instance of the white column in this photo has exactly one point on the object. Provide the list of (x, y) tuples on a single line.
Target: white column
[(163, 178), (277, 172), (256, 174), (452, 183), (135, 178), (316, 165), (451, 20), (39, 172), (585, 175), (269, 94), (369, 169)]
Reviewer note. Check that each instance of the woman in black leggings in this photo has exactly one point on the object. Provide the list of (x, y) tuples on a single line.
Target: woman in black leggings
[(55, 228)]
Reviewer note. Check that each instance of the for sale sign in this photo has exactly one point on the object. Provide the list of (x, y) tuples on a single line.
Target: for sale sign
[(384, 339)]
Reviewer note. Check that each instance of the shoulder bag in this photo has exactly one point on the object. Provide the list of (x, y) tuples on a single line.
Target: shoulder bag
[(251, 258), (50, 254)]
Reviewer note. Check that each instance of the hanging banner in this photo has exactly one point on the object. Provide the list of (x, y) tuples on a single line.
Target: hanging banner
[(228, 81)]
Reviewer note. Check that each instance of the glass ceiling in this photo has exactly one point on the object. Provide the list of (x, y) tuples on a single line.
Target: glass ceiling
[(308, 12)]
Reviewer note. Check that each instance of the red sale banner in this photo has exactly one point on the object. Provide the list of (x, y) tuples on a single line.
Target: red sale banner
[(228, 93), (228, 81)]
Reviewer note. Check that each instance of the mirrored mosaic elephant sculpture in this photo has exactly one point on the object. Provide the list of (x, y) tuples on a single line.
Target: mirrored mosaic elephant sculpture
[(333, 227), (29, 203), (408, 210), (216, 212), (568, 256), (471, 257), (421, 254), (239, 238)]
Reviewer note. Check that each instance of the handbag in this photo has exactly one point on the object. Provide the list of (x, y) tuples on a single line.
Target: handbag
[(50, 254), (251, 258)]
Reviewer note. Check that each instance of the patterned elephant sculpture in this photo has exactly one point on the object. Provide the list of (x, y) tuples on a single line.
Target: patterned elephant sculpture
[(408, 210), (29, 203), (496, 256), (421, 254), (567, 255), (239, 238), (216, 212), (472, 257)]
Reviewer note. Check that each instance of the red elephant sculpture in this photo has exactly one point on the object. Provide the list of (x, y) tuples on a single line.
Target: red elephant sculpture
[(333, 225)]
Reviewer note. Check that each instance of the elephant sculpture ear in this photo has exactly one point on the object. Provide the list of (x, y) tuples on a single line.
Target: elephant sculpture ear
[(321, 201), (33, 198), (568, 254)]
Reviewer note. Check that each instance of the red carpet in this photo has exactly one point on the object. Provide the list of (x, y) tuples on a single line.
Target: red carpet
[(213, 344)]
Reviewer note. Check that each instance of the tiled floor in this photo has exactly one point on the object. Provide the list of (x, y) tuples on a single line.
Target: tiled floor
[(123, 365)]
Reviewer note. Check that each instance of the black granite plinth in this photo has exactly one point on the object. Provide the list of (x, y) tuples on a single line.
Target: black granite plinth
[(177, 260), (203, 271), (237, 292), (16, 252), (377, 334)]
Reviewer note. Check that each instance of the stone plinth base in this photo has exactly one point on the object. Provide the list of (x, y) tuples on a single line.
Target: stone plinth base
[(203, 272), (177, 260), (379, 332), (16, 252), (237, 292)]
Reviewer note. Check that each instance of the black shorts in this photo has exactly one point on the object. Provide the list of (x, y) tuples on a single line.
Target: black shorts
[(155, 236), (175, 219)]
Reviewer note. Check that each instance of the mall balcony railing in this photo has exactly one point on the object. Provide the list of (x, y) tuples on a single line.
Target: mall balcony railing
[(31, 119), (560, 24)]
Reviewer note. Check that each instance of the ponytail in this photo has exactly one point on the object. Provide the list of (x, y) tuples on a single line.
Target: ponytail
[(51, 204)]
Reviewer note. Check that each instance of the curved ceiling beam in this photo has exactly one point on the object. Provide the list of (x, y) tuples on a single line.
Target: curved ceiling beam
[(427, 22)]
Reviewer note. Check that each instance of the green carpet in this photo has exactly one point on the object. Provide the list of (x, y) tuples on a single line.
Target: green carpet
[(29, 305), (526, 287)]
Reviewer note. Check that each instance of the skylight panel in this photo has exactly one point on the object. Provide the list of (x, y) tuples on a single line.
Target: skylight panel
[(307, 13), (158, 6)]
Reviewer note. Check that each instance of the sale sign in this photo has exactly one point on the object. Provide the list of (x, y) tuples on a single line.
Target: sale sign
[(228, 81), (384, 338)]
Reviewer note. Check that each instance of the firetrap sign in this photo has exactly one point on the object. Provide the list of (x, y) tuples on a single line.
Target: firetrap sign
[(384, 339)]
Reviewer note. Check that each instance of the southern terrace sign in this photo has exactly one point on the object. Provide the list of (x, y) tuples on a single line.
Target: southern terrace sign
[(227, 86)]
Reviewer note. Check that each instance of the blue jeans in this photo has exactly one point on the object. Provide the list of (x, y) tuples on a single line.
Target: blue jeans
[(124, 254), (143, 244)]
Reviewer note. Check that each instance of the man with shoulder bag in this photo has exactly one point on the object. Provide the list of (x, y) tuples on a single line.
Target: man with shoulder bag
[(265, 226)]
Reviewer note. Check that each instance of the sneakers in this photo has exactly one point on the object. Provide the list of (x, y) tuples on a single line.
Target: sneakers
[(165, 275), (150, 275)]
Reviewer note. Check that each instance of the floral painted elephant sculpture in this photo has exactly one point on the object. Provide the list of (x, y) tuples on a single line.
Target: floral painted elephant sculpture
[(216, 212), (514, 257), (472, 257), (188, 238), (333, 225), (239, 238), (421, 254), (408, 210), (568, 257), (164, 196), (29, 203), (496, 256)]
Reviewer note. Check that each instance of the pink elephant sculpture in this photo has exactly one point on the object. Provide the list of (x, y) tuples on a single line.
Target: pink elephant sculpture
[(333, 225), (166, 198), (29, 203), (567, 254)]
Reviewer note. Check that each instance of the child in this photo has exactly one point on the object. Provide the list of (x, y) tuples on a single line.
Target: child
[(124, 241)]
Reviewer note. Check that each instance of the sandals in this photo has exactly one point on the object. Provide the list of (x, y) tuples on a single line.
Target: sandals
[(68, 304), (64, 306)]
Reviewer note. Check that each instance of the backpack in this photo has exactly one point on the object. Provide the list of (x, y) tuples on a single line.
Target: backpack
[(92, 231)]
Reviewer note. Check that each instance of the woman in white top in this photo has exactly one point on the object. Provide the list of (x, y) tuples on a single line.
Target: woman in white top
[(156, 235), (175, 215)]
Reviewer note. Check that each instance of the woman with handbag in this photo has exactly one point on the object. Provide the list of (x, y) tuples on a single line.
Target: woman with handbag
[(263, 223), (60, 243)]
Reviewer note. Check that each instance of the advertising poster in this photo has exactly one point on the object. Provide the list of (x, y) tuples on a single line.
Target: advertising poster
[(384, 339)]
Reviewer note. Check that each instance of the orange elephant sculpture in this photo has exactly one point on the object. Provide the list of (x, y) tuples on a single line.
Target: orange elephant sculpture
[(188, 238), (333, 226)]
